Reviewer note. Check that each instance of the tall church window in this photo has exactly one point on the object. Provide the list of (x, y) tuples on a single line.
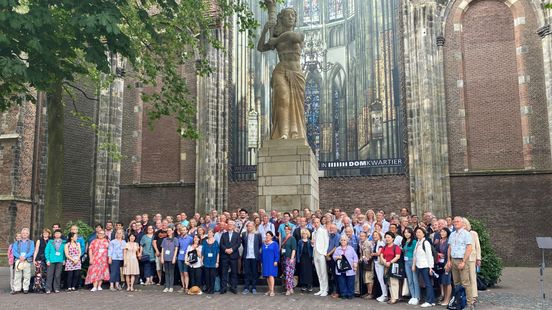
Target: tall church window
[(311, 9), (312, 113), (335, 9), (336, 121), (351, 7)]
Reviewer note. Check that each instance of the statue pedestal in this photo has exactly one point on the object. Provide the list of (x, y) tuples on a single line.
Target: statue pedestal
[(287, 176)]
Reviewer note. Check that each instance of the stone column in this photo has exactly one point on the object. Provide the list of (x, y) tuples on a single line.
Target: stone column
[(425, 103), (545, 32), (108, 163), (212, 123)]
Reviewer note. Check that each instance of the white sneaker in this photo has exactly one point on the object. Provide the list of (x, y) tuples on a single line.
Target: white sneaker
[(170, 290), (165, 290), (415, 301), (100, 288), (426, 305), (382, 298), (93, 289), (318, 293), (324, 294)]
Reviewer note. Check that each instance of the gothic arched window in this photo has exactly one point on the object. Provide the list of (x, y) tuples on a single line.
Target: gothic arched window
[(335, 9), (311, 11), (312, 114), (336, 96)]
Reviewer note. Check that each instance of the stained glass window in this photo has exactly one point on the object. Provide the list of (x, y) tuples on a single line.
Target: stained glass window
[(335, 9), (311, 11), (312, 113), (351, 7), (335, 121)]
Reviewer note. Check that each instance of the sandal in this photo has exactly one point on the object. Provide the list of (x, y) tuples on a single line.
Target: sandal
[(272, 294)]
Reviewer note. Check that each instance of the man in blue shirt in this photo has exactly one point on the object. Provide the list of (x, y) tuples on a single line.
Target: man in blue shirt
[(184, 240), (23, 251), (460, 247), (282, 228), (332, 245)]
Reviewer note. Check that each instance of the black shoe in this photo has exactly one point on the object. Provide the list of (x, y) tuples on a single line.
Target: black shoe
[(233, 290), (222, 292)]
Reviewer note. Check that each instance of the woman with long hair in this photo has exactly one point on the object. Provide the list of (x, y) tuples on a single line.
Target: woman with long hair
[(409, 244), (194, 266), (147, 255), (445, 278), (40, 262), (423, 263)]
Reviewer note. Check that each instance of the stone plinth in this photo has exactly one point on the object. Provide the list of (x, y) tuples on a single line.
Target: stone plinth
[(287, 176)]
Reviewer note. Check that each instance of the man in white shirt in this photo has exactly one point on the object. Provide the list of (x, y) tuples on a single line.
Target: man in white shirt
[(320, 241), (266, 226)]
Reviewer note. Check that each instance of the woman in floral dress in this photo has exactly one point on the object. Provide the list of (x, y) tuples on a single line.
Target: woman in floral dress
[(99, 268)]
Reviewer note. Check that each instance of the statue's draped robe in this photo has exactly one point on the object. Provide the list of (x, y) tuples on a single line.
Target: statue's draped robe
[(295, 85)]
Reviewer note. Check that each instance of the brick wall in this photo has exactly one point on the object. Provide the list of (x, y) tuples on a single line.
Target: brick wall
[(495, 91), (167, 199), (386, 192), (79, 156), (491, 86), (516, 208)]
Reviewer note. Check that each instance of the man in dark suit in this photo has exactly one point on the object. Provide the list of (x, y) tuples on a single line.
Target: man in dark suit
[(229, 244), (252, 242)]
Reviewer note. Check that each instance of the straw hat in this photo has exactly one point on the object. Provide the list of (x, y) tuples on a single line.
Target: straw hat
[(194, 290), (20, 265)]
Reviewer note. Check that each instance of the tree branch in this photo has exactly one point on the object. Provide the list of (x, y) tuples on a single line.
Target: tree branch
[(81, 91)]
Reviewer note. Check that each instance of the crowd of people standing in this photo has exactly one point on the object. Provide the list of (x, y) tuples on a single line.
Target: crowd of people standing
[(372, 255)]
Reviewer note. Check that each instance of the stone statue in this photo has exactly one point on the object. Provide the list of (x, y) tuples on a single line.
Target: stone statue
[(288, 81)]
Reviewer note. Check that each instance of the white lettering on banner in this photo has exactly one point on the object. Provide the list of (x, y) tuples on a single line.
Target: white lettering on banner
[(374, 163)]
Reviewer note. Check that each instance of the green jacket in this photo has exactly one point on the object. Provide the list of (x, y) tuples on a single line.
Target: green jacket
[(53, 256)]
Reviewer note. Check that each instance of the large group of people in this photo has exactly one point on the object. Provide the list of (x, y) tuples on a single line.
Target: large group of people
[(371, 255)]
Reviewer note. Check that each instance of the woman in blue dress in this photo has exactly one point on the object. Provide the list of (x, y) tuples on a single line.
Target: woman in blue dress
[(271, 256)]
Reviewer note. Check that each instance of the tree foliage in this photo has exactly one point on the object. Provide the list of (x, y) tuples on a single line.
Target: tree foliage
[(48, 43), (491, 264)]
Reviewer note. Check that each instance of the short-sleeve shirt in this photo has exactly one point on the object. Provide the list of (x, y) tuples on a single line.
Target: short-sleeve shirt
[(389, 253), (159, 236), (282, 229), (458, 242), (168, 247)]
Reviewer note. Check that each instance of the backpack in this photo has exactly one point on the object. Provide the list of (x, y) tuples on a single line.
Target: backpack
[(458, 300)]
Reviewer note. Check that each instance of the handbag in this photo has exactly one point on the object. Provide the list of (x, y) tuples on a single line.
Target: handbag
[(343, 264), (192, 257)]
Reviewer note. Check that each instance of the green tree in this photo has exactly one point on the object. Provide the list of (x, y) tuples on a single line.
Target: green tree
[(47, 45), (491, 264)]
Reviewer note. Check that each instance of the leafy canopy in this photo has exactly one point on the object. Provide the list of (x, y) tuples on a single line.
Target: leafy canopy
[(48, 43)]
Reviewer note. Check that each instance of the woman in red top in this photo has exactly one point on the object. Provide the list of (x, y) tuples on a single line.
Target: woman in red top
[(389, 255)]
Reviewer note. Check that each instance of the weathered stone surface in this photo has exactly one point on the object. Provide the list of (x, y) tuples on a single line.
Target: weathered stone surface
[(287, 176)]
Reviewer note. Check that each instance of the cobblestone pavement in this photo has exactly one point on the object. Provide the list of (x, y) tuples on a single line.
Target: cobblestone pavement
[(519, 289)]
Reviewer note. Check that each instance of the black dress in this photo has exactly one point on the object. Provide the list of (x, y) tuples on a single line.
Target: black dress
[(305, 266)]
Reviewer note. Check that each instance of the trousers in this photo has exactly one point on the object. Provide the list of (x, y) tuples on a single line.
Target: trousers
[(379, 274), (169, 274), (462, 277), (321, 271), (22, 276), (53, 280)]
